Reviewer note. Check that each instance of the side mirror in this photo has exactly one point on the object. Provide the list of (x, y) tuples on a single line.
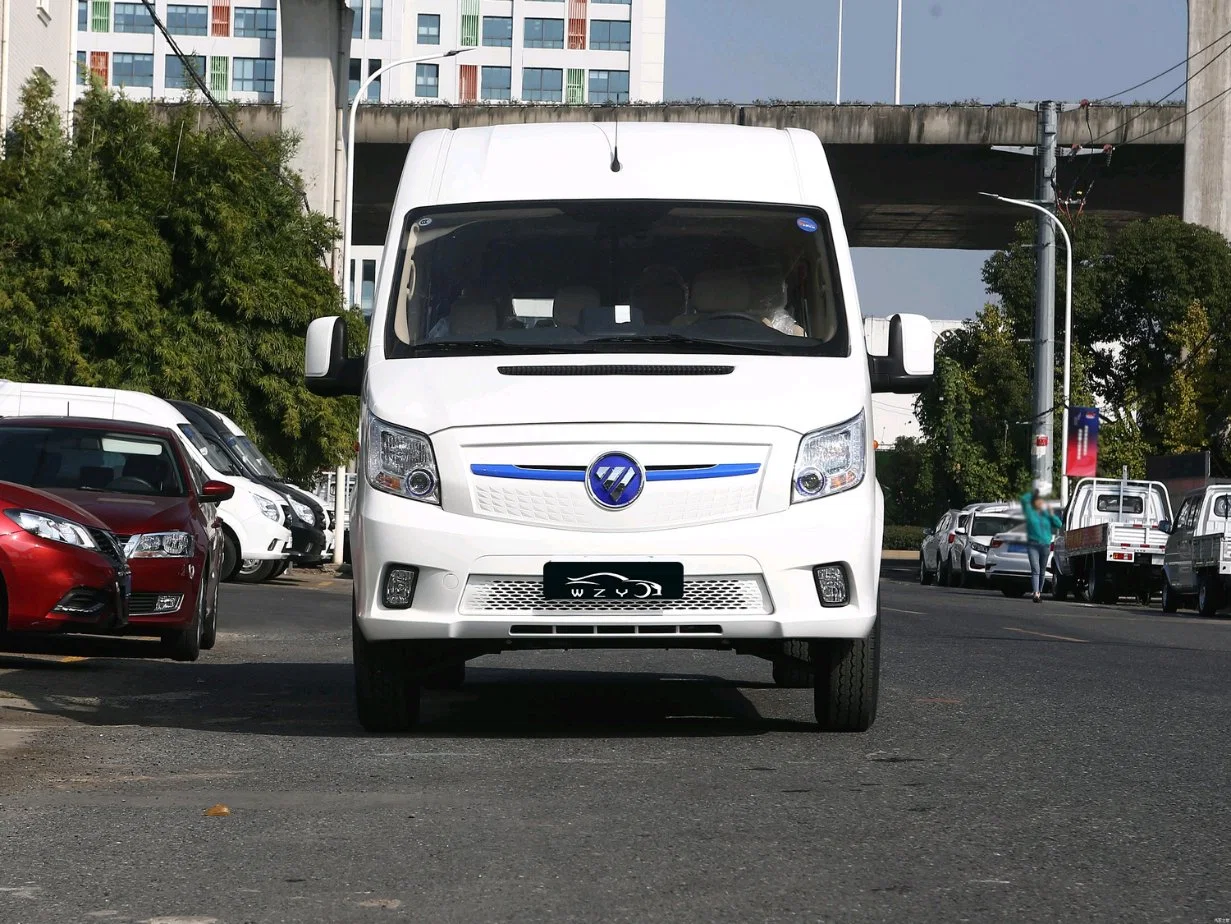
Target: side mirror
[(215, 492), (327, 370), (961, 531), (911, 360), (1165, 526)]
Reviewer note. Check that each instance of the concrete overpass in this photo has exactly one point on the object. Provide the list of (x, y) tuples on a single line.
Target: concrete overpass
[(907, 176)]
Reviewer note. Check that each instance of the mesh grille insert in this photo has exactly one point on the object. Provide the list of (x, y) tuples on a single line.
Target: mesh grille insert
[(513, 596)]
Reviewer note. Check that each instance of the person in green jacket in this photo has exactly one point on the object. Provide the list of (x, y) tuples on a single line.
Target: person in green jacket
[(1041, 526)]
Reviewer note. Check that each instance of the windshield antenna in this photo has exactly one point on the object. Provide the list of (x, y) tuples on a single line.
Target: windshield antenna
[(616, 166)]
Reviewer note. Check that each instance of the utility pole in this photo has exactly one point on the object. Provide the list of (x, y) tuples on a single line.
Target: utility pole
[(897, 64), (1045, 301)]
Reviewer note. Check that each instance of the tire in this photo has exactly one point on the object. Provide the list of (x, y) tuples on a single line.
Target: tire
[(793, 667), (185, 644), (847, 681), (943, 576), (281, 569), (249, 574), (1099, 588), (387, 690), (925, 577), (1171, 599), (209, 632), (1061, 587), (963, 575), (1209, 595), (230, 556)]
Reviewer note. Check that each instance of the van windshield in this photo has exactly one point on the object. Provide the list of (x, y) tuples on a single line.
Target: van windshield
[(614, 276), (246, 449)]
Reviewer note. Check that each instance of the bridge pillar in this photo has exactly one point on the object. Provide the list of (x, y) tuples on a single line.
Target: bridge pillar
[(1207, 147), (315, 60)]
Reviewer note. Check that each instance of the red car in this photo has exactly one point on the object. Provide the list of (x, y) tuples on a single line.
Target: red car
[(137, 480), (61, 569)]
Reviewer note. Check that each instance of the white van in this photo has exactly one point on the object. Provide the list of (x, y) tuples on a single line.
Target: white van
[(616, 395), (253, 520)]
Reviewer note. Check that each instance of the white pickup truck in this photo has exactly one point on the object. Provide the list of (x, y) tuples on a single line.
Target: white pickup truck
[(1112, 544), (1198, 557)]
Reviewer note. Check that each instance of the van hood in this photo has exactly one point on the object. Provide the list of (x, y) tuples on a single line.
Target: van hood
[(126, 514), (795, 393)]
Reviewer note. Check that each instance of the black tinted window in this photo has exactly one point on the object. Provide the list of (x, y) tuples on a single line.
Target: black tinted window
[(990, 526), (89, 460)]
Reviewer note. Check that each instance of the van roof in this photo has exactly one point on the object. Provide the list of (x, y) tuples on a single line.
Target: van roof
[(572, 161)]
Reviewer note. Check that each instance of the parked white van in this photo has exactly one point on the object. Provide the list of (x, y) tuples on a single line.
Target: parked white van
[(616, 395), (253, 520)]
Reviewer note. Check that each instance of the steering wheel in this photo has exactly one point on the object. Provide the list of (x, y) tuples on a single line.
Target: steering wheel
[(130, 483)]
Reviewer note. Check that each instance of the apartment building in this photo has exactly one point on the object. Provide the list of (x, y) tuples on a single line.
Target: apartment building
[(235, 47), (36, 36)]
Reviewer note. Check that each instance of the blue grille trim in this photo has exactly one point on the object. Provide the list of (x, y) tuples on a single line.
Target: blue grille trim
[(528, 473)]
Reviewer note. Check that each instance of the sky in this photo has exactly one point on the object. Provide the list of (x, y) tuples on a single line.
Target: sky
[(985, 50)]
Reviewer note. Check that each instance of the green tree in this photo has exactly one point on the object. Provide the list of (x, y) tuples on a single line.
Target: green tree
[(164, 257)]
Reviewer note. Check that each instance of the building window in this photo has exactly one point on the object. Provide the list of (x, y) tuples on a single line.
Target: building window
[(83, 68), (218, 70), (427, 80), (497, 83), (577, 24), (470, 23), (187, 20), (176, 76), (367, 286), (98, 65), (611, 34), (100, 17), (83, 15), (355, 77), (133, 17), (374, 86), (129, 70), (609, 86), (220, 19), (468, 83), (544, 33), (429, 29), (253, 75), (376, 19), (542, 84), (576, 92), (252, 22), (498, 31), (357, 26)]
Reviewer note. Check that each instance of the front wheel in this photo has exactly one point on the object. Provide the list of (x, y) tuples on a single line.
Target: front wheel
[(1061, 587), (387, 688), (925, 576), (209, 632), (847, 681), (1171, 599), (185, 644), (230, 557), (792, 667), (255, 571)]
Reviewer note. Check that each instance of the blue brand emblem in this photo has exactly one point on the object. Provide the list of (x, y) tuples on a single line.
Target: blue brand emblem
[(806, 224), (614, 480)]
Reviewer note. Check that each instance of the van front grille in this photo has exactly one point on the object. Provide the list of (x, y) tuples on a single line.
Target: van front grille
[(742, 594)]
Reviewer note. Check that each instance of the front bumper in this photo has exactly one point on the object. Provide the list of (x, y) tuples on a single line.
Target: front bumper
[(455, 555), (155, 578), (53, 587), (307, 545)]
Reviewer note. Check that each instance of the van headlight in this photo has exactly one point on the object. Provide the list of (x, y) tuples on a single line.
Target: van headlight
[(401, 462), (830, 461), (268, 508), (302, 510)]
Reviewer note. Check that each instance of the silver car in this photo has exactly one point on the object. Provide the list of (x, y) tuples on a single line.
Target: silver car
[(973, 542), (1008, 565), (934, 550)]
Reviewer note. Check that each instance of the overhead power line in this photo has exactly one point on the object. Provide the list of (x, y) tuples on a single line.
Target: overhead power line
[(222, 114), (1138, 86)]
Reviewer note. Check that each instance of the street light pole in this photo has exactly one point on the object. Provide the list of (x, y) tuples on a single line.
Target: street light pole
[(1068, 332), (348, 222), (897, 67), (837, 93)]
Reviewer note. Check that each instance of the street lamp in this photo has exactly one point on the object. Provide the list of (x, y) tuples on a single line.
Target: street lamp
[(1068, 332), (897, 65), (350, 153), (837, 92)]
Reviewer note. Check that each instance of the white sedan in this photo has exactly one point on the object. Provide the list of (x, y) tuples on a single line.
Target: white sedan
[(1008, 565)]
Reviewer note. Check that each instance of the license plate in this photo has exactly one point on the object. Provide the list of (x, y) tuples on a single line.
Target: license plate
[(617, 581), (1016, 547)]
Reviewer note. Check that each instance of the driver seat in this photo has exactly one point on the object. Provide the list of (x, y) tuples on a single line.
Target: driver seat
[(721, 291)]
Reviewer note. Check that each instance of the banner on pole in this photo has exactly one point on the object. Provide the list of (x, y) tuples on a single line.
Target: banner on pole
[(1082, 461)]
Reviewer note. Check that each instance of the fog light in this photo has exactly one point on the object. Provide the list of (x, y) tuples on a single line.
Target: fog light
[(831, 585), (398, 591), (167, 603)]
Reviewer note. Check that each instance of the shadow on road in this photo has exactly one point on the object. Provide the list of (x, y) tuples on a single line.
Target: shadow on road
[(315, 699)]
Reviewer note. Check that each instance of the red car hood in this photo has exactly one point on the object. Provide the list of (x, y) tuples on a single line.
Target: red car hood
[(132, 513), (19, 496)]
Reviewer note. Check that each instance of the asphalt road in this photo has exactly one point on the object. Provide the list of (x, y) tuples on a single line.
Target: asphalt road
[(1030, 763)]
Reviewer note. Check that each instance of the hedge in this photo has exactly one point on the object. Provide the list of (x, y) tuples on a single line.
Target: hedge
[(903, 538)]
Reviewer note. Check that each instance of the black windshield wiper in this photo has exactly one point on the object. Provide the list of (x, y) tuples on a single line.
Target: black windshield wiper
[(720, 346), (493, 345)]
